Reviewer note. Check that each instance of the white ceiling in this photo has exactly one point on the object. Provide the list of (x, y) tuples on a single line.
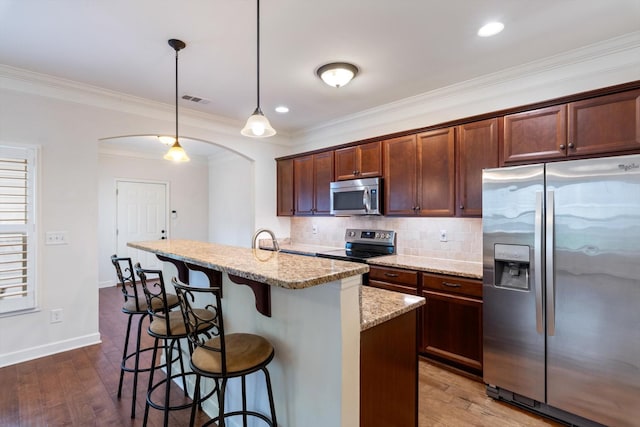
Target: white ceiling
[(403, 47)]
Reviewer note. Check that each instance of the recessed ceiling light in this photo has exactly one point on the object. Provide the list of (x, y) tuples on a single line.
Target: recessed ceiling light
[(491, 29), (282, 109)]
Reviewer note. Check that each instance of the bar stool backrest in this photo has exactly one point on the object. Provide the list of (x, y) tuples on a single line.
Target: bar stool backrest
[(191, 300), (127, 280), (155, 293)]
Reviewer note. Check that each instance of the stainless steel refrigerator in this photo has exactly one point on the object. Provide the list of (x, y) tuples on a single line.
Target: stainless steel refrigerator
[(561, 255)]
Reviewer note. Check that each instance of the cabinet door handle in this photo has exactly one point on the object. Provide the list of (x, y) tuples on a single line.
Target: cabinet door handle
[(451, 285), (562, 146), (391, 274), (571, 145), (354, 172), (461, 206)]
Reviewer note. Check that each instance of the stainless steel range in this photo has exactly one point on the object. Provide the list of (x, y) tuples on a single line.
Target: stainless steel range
[(361, 244)]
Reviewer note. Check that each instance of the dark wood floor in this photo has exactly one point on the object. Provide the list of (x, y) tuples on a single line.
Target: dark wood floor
[(78, 388)]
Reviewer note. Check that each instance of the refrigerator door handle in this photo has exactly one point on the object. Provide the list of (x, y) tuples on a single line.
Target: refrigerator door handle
[(537, 262), (550, 277)]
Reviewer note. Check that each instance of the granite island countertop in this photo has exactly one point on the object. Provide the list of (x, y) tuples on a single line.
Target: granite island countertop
[(380, 305), (272, 268)]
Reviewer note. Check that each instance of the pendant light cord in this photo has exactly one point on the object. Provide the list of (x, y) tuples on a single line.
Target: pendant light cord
[(176, 95), (258, 56)]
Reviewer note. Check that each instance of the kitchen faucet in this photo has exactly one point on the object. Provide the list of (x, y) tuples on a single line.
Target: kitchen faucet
[(276, 246)]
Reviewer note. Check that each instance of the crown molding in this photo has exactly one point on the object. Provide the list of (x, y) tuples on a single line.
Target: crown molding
[(26, 81), (602, 64)]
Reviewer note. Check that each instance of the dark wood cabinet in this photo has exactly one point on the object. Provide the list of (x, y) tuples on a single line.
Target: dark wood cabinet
[(606, 124), (436, 173), (419, 172), (450, 324), (284, 171), (394, 279), (360, 161), (602, 125), (535, 135), (477, 149), (389, 373), (312, 176), (400, 163), (452, 320)]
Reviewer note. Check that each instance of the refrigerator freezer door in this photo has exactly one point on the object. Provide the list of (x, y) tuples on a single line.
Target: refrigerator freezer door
[(514, 353), (593, 354)]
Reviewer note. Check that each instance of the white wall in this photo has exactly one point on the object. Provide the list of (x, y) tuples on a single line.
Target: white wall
[(231, 199), (189, 196), (67, 121)]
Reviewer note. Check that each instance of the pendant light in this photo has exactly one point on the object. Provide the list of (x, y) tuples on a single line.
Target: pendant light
[(258, 125), (176, 152)]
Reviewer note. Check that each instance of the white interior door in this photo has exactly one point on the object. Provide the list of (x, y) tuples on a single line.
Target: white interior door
[(141, 215)]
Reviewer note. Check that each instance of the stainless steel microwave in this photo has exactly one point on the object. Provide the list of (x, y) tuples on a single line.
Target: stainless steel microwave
[(356, 197)]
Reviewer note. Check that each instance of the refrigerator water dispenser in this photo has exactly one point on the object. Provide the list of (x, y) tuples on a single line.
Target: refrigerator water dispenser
[(512, 266)]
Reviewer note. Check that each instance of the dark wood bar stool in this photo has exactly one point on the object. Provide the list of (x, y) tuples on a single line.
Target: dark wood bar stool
[(169, 327), (222, 356), (135, 305)]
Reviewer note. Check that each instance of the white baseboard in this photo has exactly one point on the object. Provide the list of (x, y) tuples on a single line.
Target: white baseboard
[(107, 284), (49, 349)]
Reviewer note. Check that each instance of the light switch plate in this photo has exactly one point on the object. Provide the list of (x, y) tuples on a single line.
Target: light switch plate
[(56, 238)]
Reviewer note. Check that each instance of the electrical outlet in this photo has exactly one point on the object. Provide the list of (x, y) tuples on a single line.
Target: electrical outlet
[(56, 315), (56, 238), (314, 229), (443, 235)]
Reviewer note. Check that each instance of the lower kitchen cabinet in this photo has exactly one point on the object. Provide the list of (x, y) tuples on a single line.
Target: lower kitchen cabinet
[(452, 321)]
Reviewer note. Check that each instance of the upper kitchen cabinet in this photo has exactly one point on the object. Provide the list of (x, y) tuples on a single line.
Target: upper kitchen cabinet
[(400, 178), (419, 174), (436, 175), (360, 161), (284, 169), (536, 135), (312, 176), (606, 124), (597, 126), (477, 150)]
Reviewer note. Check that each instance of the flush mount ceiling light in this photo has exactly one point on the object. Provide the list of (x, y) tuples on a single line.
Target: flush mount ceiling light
[(337, 74), (491, 29), (258, 125), (176, 152)]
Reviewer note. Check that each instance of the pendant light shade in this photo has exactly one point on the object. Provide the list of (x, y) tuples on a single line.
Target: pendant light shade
[(176, 152), (258, 125)]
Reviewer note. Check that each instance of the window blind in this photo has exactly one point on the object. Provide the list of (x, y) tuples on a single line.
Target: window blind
[(17, 228)]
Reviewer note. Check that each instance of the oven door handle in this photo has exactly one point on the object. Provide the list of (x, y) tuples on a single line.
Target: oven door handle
[(366, 200)]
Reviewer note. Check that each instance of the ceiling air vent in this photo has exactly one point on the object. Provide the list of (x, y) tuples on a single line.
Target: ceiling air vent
[(195, 99)]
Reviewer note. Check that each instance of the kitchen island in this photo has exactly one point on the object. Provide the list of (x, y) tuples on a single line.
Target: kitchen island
[(312, 310)]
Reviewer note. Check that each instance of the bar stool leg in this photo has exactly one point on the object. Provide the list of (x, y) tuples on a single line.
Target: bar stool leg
[(136, 368), (124, 355), (244, 401), (267, 377), (151, 374)]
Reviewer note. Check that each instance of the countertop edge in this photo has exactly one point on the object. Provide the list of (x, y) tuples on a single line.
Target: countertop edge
[(380, 305)]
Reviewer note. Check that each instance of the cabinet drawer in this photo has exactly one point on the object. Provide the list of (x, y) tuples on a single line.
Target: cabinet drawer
[(411, 290), (451, 284), (394, 275)]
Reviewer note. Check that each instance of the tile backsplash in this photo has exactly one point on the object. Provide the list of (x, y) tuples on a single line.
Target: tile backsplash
[(415, 236)]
